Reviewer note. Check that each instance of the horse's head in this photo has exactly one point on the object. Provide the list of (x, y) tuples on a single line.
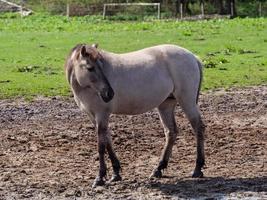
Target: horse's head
[(88, 68)]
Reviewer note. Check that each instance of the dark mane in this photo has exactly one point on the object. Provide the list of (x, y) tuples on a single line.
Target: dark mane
[(78, 46)]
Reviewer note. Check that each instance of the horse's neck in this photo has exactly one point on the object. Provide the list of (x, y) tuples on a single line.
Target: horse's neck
[(111, 61)]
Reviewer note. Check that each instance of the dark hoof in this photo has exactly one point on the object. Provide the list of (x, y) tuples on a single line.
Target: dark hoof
[(156, 174), (115, 178), (98, 182), (197, 174)]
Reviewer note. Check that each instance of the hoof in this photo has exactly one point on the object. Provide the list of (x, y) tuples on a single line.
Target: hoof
[(197, 174), (115, 178), (98, 182), (156, 174)]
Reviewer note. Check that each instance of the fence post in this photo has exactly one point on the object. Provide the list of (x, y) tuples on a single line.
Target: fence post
[(158, 10), (202, 8), (181, 10), (68, 10), (260, 8), (104, 11), (232, 8)]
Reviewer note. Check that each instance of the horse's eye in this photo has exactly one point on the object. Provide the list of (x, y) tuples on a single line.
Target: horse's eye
[(91, 69)]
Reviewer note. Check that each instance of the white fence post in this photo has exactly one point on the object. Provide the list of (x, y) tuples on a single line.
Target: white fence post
[(104, 11), (260, 8), (232, 9), (202, 9), (158, 10), (68, 10), (181, 11)]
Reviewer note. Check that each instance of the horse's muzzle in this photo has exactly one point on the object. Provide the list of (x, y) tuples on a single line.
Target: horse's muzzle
[(107, 94)]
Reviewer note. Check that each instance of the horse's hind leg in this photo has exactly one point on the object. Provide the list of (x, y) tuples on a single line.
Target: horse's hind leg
[(192, 112), (199, 129), (166, 113)]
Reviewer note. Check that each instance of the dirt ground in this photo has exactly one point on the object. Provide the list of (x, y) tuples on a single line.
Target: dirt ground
[(48, 151)]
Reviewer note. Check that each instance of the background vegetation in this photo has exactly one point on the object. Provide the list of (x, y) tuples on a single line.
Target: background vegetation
[(170, 8), (33, 49)]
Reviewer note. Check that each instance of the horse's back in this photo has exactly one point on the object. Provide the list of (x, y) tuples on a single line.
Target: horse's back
[(158, 51), (184, 68)]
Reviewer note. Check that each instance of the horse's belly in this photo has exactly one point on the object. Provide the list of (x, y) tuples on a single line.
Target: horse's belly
[(134, 108), (133, 104)]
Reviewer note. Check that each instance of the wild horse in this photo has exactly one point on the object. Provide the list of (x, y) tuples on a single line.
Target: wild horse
[(105, 83)]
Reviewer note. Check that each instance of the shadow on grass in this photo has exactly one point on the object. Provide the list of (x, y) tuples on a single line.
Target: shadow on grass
[(212, 188)]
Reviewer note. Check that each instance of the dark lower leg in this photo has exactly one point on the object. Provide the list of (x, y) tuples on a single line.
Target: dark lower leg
[(200, 161), (115, 163), (101, 130), (166, 112), (164, 159), (100, 179)]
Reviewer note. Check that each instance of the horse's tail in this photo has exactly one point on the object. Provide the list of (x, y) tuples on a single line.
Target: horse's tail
[(201, 78)]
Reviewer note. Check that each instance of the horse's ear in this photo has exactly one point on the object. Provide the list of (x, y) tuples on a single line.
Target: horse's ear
[(95, 45), (92, 54), (84, 51)]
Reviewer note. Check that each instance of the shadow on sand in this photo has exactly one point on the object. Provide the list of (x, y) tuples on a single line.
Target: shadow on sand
[(214, 188)]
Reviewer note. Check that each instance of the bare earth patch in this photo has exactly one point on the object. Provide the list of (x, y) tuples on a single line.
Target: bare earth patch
[(48, 151)]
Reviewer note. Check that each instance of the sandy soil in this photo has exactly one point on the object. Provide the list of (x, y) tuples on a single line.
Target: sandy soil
[(48, 151)]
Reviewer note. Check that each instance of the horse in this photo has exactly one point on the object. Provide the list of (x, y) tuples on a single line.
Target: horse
[(105, 83)]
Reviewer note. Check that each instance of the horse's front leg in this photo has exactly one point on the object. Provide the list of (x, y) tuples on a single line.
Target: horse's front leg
[(104, 143), (114, 160), (101, 131)]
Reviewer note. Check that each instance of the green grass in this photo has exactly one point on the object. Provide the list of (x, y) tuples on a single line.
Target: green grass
[(33, 49)]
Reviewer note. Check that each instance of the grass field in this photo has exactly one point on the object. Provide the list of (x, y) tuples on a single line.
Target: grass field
[(33, 49)]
